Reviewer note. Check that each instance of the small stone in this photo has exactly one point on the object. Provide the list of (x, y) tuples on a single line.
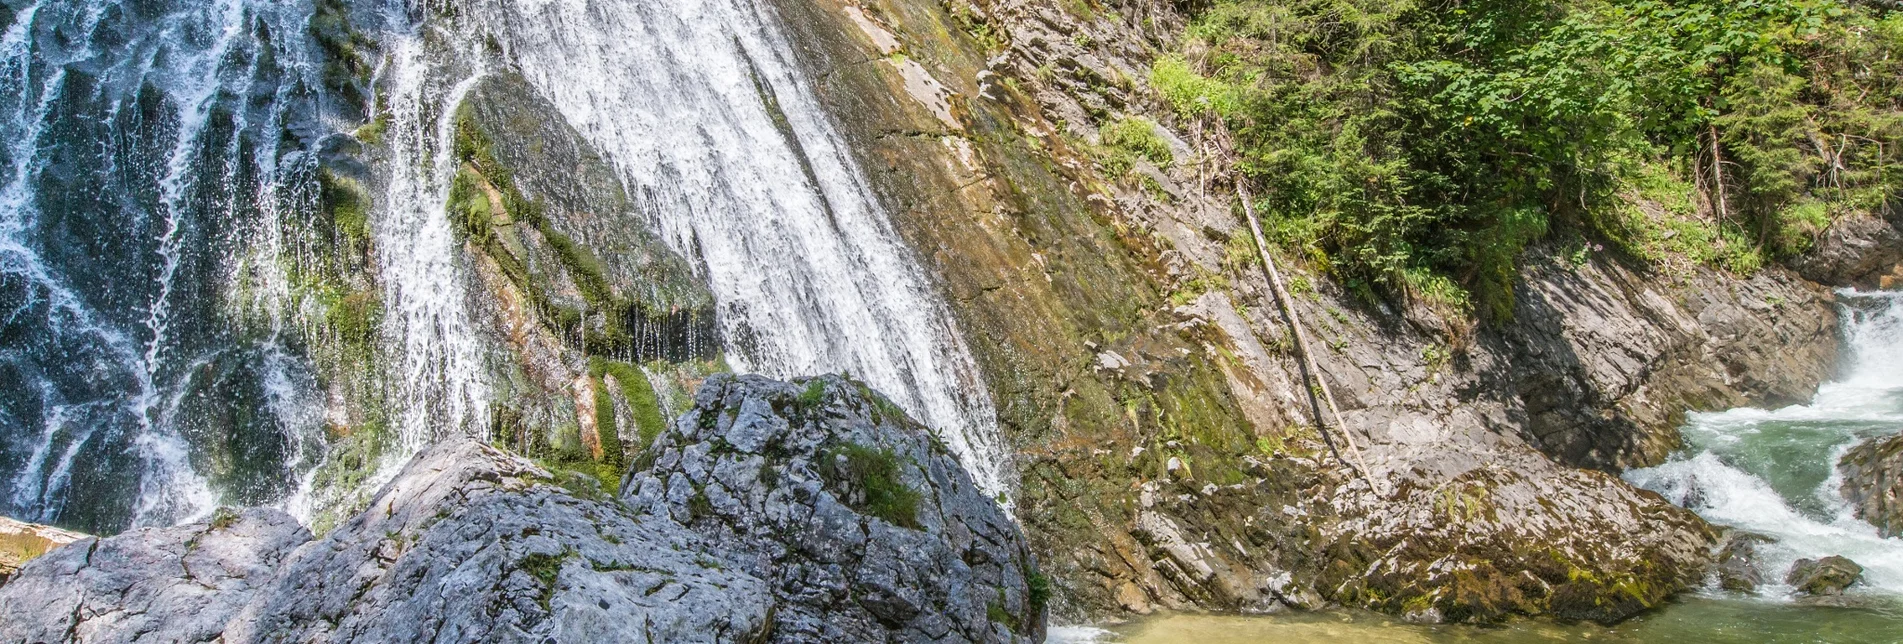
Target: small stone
[(1738, 562), (1827, 576)]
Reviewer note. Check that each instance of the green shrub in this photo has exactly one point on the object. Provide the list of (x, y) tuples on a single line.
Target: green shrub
[(1136, 136), (874, 474)]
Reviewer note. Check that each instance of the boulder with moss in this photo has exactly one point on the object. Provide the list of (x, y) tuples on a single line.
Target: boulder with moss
[(862, 523), (774, 512)]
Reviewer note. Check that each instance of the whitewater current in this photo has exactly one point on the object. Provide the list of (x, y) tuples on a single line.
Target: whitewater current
[(1774, 472)]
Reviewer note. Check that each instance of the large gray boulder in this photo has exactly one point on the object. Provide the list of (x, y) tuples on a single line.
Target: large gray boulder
[(472, 544), (179, 584), (864, 525), (467, 544)]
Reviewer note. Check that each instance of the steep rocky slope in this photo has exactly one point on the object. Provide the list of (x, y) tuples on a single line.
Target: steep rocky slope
[(471, 543), (1170, 456)]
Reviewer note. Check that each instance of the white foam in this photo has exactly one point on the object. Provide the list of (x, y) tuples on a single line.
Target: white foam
[(1867, 400), (809, 274)]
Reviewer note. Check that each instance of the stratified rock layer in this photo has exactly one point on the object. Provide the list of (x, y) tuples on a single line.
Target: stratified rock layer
[(1164, 430), (472, 544), (1873, 483)]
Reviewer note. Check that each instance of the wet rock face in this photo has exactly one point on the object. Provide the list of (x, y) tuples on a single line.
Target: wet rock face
[(1737, 562), (864, 527), (786, 532), (1860, 251), (1823, 577), (1873, 483), (1605, 359)]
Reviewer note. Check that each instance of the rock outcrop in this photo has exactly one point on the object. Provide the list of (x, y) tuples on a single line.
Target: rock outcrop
[(1823, 577), (1604, 359), (472, 544), (1864, 251), (863, 525), (23, 542), (1873, 483), (1167, 441), (186, 582), (1738, 562)]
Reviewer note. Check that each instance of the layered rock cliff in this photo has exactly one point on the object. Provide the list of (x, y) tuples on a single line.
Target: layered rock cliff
[(1168, 442)]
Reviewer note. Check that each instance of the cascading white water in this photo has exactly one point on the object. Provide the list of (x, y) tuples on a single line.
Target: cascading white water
[(157, 231), (716, 135), (441, 381), (1774, 471), (122, 184)]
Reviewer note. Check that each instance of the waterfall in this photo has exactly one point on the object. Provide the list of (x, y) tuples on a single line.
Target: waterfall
[(1774, 472), (139, 185), (162, 225), (441, 381), (718, 137)]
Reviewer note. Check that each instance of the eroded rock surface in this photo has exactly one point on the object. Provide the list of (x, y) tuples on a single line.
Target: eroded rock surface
[(1873, 483), (1824, 577), (472, 544), (1858, 250), (1738, 562), (864, 526), (184, 584)]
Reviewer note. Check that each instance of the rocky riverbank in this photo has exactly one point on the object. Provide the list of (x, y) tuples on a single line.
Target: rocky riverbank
[(772, 512), (1170, 451)]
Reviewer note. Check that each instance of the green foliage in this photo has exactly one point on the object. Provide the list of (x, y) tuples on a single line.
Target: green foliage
[(813, 395), (1136, 137), (355, 454), (348, 205), (223, 518), (606, 426), (546, 569), (354, 317), (346, 67), (1040, 586), (1419, 148), (872, 477)]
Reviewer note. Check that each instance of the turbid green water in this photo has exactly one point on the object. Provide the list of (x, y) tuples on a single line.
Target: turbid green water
[(1695, 620)]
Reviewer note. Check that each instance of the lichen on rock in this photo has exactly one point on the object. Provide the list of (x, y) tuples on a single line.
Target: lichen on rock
[(865, 525), (747, 541)]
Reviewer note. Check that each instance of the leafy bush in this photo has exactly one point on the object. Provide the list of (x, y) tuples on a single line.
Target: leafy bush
[(1419, 148)]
